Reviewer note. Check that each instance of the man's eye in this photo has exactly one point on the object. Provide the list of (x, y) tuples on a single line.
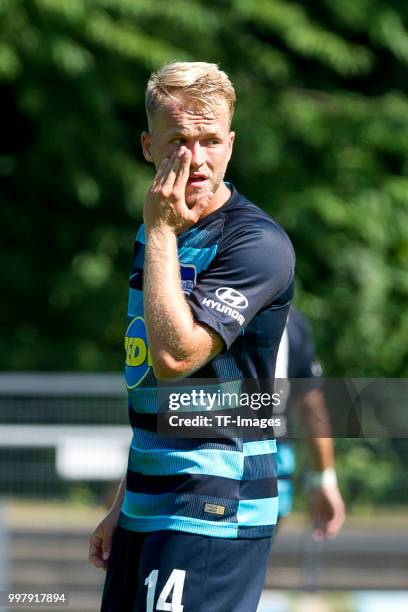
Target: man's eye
[(213, 141), (178, 141)]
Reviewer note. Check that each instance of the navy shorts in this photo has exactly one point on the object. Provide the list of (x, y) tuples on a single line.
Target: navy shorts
[(182, 572)]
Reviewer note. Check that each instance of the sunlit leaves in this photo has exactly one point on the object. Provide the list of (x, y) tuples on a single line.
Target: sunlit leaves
[(322, 145), (289, 20)]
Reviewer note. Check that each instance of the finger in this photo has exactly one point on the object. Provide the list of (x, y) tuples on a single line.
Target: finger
[(318, 535), (329, 527), (94, 555), (160, 171), (172, 169), (184, 169), (106, 547), (96, 560), (335, 524), (319, 524), (331, 530), (94, 545), (167, 176), (98, 563)]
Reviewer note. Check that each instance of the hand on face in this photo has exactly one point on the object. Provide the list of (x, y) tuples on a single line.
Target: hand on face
[(166, 201)]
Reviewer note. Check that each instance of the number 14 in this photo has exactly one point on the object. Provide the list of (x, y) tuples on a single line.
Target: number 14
[(175, 582)]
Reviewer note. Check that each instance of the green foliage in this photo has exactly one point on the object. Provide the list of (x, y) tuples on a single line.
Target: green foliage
[(322, 145)]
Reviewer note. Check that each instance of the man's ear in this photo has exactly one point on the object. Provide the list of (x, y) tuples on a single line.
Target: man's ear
[(231, 143), (146, 144)]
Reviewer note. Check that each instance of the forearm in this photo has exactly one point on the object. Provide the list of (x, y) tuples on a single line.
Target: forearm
[(170, 325), (325, 501), (321, 454), (117, 504), (318, 430)]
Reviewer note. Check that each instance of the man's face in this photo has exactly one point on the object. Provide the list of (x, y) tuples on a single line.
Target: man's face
[(206, 135)]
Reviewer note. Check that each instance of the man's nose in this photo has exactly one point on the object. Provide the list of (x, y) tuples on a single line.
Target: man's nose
[(197, 155)]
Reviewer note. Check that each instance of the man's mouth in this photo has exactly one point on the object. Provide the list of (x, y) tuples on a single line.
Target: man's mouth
[(196, 180)]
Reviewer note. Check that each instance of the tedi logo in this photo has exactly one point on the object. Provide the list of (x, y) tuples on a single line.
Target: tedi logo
[(232, 297), (138, 358), (229, 296)]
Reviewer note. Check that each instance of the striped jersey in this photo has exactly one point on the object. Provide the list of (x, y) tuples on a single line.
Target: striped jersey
[(236, 271)]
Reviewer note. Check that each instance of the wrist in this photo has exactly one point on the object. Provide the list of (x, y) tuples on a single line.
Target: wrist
[(116, 508), (324, 479), (159, 228)]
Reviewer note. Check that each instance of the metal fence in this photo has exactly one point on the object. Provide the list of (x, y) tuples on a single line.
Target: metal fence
[(61, 431)]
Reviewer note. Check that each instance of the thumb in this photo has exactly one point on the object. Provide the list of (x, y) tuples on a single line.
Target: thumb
[(106, 547), (199, 207)]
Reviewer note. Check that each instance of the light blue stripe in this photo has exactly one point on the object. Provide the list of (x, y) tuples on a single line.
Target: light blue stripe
[(255, 512), (175, 504), (135, 303), (151, 440), (143, 504), (201, 258), (194, 237), (211, 462), (180, 523), (259, 447), (140, 236), (285, 493), (286, 459)]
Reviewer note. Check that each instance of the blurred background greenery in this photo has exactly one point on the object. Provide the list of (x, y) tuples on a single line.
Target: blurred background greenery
[(322, 145)]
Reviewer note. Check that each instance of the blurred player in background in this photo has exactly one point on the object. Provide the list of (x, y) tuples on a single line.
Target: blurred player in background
[(297, 360)]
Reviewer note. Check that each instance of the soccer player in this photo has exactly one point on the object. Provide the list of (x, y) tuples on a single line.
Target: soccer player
[(297, 360), (193, 518)]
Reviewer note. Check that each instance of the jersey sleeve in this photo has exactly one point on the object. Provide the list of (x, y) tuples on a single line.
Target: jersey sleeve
[(253, 268)]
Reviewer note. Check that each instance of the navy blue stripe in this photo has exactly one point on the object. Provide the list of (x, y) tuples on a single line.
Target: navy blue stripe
[(260, 531), (136, 279), (259, 489), (259, 466), (138, 253), (199, 484), (142, 421)]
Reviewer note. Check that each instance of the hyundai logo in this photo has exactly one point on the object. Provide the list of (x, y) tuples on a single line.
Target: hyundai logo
[(232, 297)]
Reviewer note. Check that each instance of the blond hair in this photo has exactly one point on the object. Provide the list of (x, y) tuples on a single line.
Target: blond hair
[(199, 84)]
